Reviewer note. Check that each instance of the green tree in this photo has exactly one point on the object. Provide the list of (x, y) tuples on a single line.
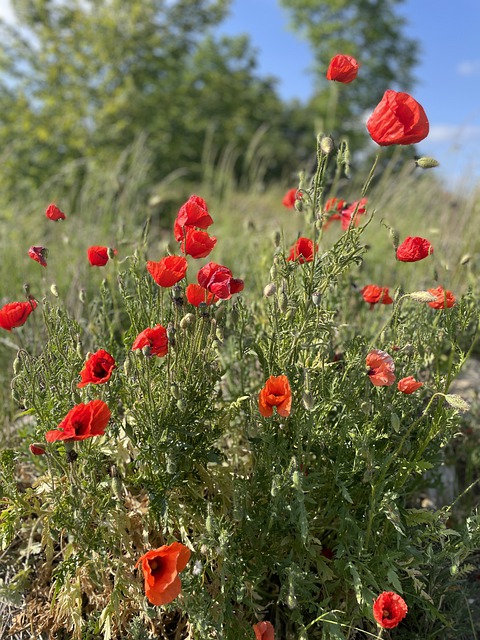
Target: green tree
[(82, 79), (370, 30)]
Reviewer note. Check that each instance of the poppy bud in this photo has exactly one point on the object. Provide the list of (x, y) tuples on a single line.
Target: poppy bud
[(17, 365), (326, 145), (117, 487), (426, 163), (298, 205), (316, 298), (209, 524), (171, 333), (277, 236), (111, 253), (82, 296), (273, 271), (296, 479), (290, 315), (54, 290), (175, 390), (187, 321), (465, 259), (181, 405), (308, 400), (147, 350), (282, 301), (395, 422), (395, 236), (37, 449), (269, 289)]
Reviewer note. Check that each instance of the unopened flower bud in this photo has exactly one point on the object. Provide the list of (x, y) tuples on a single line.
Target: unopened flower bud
[(171, 331), (147, 350), (426, 163), (54, 290), (326, 145), (282, 300), (316, 298), (277, 237), (395, 236), (128, 366), (308, 400), (26, 288), (298, 205), (117, 487), (111, 253), (38, 449), (175, 390), (187, 321), (181, 405), (17, 365), (82, 296), (269, 289), (465, 259)]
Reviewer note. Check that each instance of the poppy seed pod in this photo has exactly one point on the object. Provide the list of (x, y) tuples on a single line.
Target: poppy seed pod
[(426, 163)]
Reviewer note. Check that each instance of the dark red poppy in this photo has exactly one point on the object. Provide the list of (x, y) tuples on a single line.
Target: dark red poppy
[(54, 213), (197, 294), (155, 338), (99, 256), (389, 609), (264, 630), (168, 271), (408, 385), (398, 119), (342, 69), (219, 281), (98, 368), (414, 249), (37, 449), (160, 569), (374, 294), (14, 314), (289, 198), (381, 368), (81, 422), (197, 244), (39, 254), (445, 299), (194, 213), (275, 393), (351, 214)]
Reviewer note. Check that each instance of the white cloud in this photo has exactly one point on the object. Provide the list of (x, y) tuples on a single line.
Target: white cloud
[(6, 10), (469, 68), (454, 133)]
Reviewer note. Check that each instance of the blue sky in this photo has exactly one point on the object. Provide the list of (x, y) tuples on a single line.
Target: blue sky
[(448, 74)]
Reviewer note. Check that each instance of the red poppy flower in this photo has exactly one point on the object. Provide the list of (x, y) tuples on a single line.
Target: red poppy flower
[(39, 254), (389, 609), (14, 314), (219, 281), (354, 210), (81, 422), (408, 385), (264, 630), (197, 244), (342, 69), (193, 213), (335, 204), (98, 369), (373, 294), (445, 299), (54, 213), (398, 119), (37, 449), (155, 338), (98, 256), (275, 393), (197, 294), (168, 271), (160, 570), (289, 198), (380, 368), (302, 250), (414, 249)]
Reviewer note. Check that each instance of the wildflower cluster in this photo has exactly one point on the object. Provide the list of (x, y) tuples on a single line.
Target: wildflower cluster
[(243, 466)]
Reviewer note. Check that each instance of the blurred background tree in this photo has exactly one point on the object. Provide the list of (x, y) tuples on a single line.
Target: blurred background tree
[(81, 80)]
